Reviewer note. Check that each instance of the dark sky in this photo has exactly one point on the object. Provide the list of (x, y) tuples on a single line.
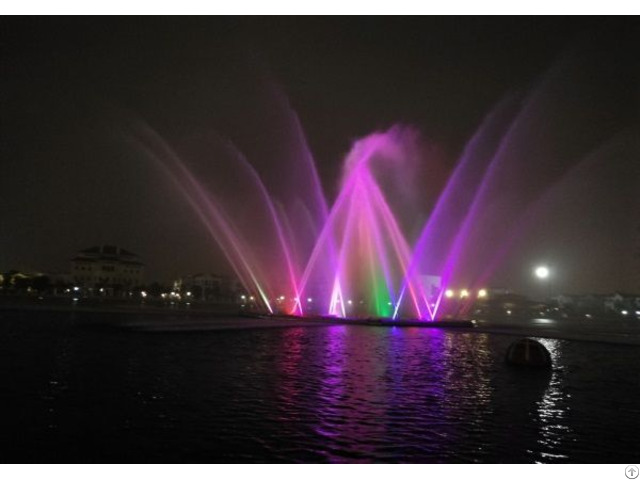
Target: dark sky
[(69, 181)]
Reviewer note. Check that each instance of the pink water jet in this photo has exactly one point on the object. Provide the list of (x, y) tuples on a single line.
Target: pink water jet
[(378, 249)]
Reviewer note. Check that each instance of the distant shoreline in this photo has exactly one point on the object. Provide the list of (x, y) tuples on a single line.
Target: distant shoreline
[(110, 306), (207, 318)]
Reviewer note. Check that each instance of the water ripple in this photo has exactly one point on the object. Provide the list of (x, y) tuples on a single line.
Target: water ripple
[(334, 394)]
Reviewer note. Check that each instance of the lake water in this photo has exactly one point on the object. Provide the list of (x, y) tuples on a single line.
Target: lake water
[(307, 394)]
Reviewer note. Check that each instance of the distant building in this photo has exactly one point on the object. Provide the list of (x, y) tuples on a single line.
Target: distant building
[(617, 303), (108, 267), (621, 302), (584, 303), (207, 287)]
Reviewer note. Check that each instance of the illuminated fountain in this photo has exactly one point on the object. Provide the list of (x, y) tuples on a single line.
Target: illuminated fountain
[(361, 255), (298, 256)]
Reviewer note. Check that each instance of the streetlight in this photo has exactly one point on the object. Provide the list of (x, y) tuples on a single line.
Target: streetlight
[(542, 272)]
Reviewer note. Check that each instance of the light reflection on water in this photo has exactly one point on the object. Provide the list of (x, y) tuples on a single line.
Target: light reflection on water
[(431, 390), (327, 394), (553, 407)]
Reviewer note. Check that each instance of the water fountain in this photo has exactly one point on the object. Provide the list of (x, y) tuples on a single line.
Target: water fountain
[(297, 253)]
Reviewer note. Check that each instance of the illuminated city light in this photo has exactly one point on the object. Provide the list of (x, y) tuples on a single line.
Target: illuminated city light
[(542, 272)]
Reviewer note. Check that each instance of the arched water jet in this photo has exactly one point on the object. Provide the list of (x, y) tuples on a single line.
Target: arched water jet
[(356, 258)]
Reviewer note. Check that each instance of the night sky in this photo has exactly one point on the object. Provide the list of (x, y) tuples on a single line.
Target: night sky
[(68, 88)]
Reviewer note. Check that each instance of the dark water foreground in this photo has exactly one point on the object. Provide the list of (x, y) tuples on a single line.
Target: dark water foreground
[(306, 394)]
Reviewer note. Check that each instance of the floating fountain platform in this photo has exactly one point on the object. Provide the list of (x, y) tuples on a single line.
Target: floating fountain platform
[(384, 322)]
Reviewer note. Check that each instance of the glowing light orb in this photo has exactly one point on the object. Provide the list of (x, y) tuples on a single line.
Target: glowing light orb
[(541, 272)]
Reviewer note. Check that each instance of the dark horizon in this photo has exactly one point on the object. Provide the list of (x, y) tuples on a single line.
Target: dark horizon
[(71, 180)]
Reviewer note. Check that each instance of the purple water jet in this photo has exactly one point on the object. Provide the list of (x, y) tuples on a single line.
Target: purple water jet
[(361, 255)]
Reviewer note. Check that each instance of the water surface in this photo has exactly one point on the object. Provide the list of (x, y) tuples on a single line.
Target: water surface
[(319, 394)]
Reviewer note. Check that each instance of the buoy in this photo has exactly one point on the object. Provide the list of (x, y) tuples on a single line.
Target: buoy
[(528, 353)]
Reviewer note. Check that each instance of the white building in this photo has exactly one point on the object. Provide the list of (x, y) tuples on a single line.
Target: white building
[(108, 267)]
